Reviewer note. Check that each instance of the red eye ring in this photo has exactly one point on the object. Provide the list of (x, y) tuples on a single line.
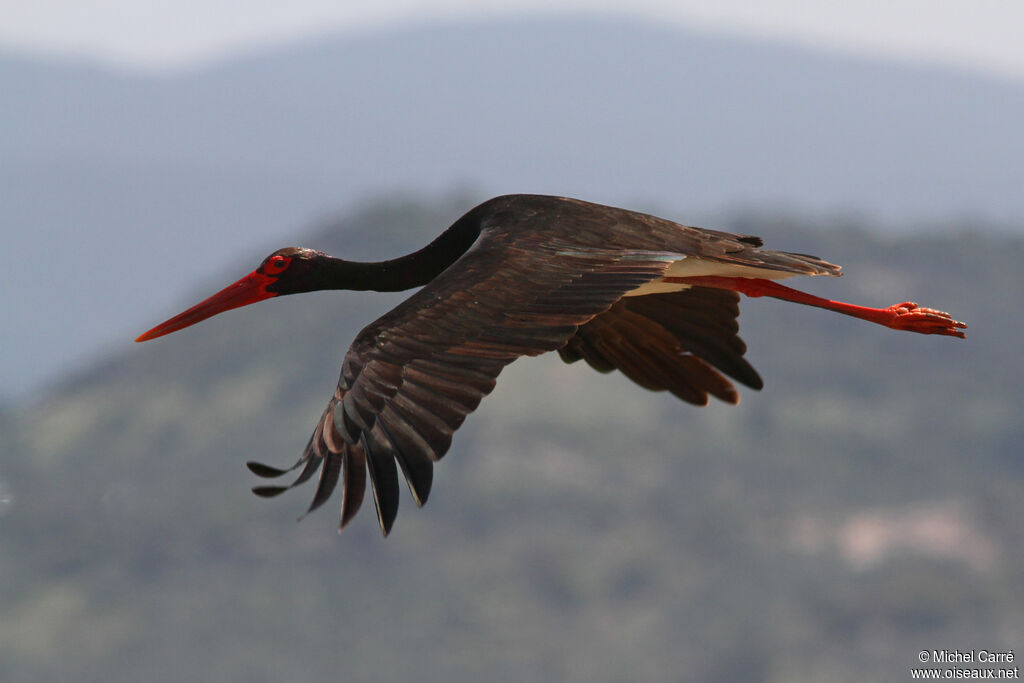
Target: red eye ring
[(276, 264)]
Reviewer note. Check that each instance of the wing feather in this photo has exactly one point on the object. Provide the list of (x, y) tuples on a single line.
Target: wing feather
[(677, 341), (412, 451), (380, 461), (353, 488)]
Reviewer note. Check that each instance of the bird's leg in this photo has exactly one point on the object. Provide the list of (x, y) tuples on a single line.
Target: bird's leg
[(905, 316)]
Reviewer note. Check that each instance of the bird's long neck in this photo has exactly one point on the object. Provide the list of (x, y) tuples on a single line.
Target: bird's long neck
[(412, 270)]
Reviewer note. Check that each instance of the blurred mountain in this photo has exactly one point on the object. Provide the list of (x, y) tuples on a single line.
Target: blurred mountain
[(864, 506), (118, 190)]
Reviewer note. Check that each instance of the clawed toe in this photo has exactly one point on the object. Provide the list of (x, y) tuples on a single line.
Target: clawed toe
[(913, 318)]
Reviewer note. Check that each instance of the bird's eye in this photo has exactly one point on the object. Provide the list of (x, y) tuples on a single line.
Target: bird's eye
[(276, 264)]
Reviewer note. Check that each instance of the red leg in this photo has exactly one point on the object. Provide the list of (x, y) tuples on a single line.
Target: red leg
[(905, 316)]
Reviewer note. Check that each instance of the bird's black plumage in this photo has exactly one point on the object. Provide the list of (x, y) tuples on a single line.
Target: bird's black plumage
[(520, 275)]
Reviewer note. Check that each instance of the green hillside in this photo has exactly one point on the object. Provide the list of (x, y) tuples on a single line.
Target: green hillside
[(865, 505)]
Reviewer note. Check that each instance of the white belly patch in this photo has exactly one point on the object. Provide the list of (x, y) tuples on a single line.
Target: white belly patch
[(695, 267)]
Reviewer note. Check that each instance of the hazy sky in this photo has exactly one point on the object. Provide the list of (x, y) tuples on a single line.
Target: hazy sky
[(975, 34)]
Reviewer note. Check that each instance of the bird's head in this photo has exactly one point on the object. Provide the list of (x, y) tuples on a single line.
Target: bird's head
[(287, 271)]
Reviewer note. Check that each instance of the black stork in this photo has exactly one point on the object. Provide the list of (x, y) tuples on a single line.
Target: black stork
[(520, 275)]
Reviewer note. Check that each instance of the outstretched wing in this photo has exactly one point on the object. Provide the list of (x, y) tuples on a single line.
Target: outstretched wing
[(682, 342), (410, 378)]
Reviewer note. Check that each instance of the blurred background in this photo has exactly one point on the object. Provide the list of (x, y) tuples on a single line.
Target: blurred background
[(864, 506)]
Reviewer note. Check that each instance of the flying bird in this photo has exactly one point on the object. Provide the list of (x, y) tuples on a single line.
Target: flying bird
[(521, 275)]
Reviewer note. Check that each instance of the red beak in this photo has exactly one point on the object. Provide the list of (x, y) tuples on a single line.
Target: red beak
[(248, 290)]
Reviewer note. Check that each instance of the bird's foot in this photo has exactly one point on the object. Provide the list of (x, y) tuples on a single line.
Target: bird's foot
[(913, 318), (905, 316)]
